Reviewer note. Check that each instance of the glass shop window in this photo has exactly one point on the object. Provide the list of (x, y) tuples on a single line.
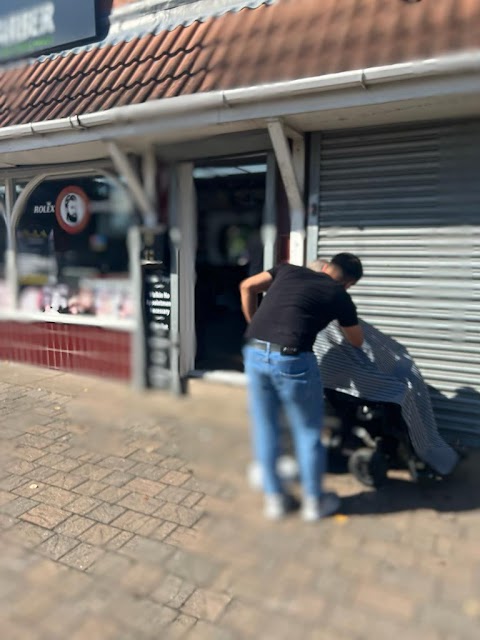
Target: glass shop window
[(72, 254)]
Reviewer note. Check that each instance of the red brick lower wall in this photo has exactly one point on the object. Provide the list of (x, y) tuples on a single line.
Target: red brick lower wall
[(90, 350)]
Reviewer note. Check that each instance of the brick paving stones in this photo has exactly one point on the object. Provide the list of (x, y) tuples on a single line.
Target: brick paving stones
[(136, 533), (106, 512), (99, 535), (75, 525), (57, 546), (206, 604), (83, 504), (173, 591), (83, 556), (46, 516), (136, 522)]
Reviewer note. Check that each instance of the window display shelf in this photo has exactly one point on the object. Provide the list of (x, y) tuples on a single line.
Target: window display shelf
[(60, 318)]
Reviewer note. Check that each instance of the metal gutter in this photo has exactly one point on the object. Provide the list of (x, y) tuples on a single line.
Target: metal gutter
[(445, 66)]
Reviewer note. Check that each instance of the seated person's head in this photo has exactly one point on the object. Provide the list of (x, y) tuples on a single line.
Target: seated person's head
[(323, 266)]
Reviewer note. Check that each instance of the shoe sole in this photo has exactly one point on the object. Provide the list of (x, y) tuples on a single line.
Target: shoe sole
[(307, 517)]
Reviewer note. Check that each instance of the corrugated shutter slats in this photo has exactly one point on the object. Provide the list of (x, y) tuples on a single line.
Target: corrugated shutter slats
[(408, 202)]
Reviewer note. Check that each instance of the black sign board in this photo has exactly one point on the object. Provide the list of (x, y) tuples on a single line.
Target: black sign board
[(157, 305), (157, 297), (31, 27)]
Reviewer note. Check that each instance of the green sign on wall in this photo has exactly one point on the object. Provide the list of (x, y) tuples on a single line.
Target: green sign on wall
[(31, 27)]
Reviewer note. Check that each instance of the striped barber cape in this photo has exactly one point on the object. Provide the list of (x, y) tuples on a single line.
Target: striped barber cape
[(382, 370)]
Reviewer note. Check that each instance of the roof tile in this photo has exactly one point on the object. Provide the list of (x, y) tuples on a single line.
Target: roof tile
[(154, 44), (284, 40), (72, 66)]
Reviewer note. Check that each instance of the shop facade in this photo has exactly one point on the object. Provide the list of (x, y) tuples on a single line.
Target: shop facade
[(68, 275), (142, 177)]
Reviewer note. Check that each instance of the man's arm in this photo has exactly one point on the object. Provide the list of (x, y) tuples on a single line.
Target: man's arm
[(348, 320), (353, 334), (249, 291)]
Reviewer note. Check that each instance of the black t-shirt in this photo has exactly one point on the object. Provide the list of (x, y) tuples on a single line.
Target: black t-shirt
[(300, 303)]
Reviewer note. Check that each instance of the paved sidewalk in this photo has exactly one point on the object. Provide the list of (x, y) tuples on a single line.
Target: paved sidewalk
[(126, 517)]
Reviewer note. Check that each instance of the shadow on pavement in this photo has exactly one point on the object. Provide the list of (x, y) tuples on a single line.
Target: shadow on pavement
[(458, 493)]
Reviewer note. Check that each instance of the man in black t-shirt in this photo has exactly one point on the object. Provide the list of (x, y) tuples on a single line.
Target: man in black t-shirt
[(282, 370)]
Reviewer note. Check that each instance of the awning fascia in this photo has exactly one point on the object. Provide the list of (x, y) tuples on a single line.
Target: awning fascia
[(218, 110)]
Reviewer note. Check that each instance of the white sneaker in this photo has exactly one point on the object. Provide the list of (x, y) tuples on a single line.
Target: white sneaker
[(274, 507), (278, 505), (254, 475), (317, 508), (287, 470)]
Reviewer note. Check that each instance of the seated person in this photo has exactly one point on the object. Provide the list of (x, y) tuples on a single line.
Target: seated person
[(382, 370)]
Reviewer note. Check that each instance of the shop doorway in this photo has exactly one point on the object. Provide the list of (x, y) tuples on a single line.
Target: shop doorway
[(232, 211)]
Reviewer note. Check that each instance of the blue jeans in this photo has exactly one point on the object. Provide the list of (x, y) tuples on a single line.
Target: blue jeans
[(294, 382)]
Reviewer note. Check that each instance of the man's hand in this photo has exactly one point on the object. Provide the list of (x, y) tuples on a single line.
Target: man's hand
[(354, 335), (249, 291)]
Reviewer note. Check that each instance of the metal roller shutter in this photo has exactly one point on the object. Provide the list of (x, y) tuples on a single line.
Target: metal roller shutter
[(407, 201)]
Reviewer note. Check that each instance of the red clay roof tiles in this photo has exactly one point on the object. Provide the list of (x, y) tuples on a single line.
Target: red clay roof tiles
[(285, 40)]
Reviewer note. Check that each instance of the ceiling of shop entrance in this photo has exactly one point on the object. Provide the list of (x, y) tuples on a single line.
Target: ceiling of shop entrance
[(223, 172), (225, 167)]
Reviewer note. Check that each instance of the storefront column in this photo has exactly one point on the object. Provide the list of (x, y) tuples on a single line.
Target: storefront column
[(10, 261), (138, 355), (269, 222), (183, 235), (291, 166), (150, 176), (144, 193), (313, 197), (137, 190)]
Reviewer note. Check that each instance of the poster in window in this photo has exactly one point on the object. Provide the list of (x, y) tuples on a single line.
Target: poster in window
[(72, 209)]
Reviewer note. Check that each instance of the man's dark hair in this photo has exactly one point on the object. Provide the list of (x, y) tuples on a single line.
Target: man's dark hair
[(349, 264)]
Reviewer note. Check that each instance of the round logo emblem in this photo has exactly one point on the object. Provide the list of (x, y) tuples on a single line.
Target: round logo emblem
[(72, 209)]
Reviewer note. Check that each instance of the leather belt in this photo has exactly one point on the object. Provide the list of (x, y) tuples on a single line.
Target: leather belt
[(275, 348)]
